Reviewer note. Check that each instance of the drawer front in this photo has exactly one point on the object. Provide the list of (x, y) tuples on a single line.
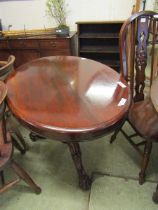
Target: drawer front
[(16, 44), (31, 44), (23, 44), (54, 44), (4, 44), (4, 54), (23, 56), (49, 52)]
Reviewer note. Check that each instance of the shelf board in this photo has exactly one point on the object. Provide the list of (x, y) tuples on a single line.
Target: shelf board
[(101, 22), (99, 35), (99, 49), (111, 63)]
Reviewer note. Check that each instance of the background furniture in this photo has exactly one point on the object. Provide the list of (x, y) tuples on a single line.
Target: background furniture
[(155, 195), (70, 100), (5, 69), (154, 99), (29, 48), (153, 93), (6, 151), (99, 41), (142, 115)]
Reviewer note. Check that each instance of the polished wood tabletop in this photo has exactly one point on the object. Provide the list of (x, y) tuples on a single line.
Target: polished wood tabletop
[(69, 99), (71, 95), (153, 93)]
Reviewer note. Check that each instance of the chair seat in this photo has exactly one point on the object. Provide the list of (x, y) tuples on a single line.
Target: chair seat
[(144, 118)]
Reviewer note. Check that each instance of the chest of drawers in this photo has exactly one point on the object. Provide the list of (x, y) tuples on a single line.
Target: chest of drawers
[(26, 49)]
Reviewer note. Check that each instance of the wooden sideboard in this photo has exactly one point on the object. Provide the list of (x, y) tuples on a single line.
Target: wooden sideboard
[(29, 48)]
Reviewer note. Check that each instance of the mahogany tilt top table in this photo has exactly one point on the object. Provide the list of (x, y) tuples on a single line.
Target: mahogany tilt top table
[(68, 99)]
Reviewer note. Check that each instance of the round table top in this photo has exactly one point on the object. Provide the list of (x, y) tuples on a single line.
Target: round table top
[(67, 97), (153, 93)]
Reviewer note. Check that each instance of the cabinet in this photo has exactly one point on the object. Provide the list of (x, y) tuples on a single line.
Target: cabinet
[(29, 48), (100, 41)]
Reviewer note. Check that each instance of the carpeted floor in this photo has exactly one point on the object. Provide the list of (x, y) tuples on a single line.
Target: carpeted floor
[(115, 171)]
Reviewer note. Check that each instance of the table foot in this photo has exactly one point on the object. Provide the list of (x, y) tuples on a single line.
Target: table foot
[(84, 180), (35, 136)]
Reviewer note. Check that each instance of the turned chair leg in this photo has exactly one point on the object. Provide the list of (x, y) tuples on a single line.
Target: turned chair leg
[(113, 137), (23, 175), (155, 195), (145, 161), (2, 177), (19, 142), (18, 139), (18, 146)]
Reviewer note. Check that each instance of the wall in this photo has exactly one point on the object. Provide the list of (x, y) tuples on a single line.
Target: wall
[(32, 13)]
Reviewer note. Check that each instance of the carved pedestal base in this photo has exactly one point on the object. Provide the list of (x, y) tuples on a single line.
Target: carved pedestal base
[(84, 180)]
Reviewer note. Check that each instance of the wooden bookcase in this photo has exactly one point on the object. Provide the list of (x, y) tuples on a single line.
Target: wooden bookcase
[(99, 41)]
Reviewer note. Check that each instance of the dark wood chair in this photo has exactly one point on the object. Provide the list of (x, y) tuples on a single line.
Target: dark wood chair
[(5, 69), (155, 195), (137, 68), (6, 151)]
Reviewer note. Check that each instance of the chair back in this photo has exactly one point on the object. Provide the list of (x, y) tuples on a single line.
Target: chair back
[(3, 93), (6, 67), (137, 51)]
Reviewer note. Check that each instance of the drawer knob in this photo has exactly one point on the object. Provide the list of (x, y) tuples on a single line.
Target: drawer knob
[(53, 44)]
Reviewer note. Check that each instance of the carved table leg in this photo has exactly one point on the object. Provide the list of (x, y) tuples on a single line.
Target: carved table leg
[(84, 180)]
